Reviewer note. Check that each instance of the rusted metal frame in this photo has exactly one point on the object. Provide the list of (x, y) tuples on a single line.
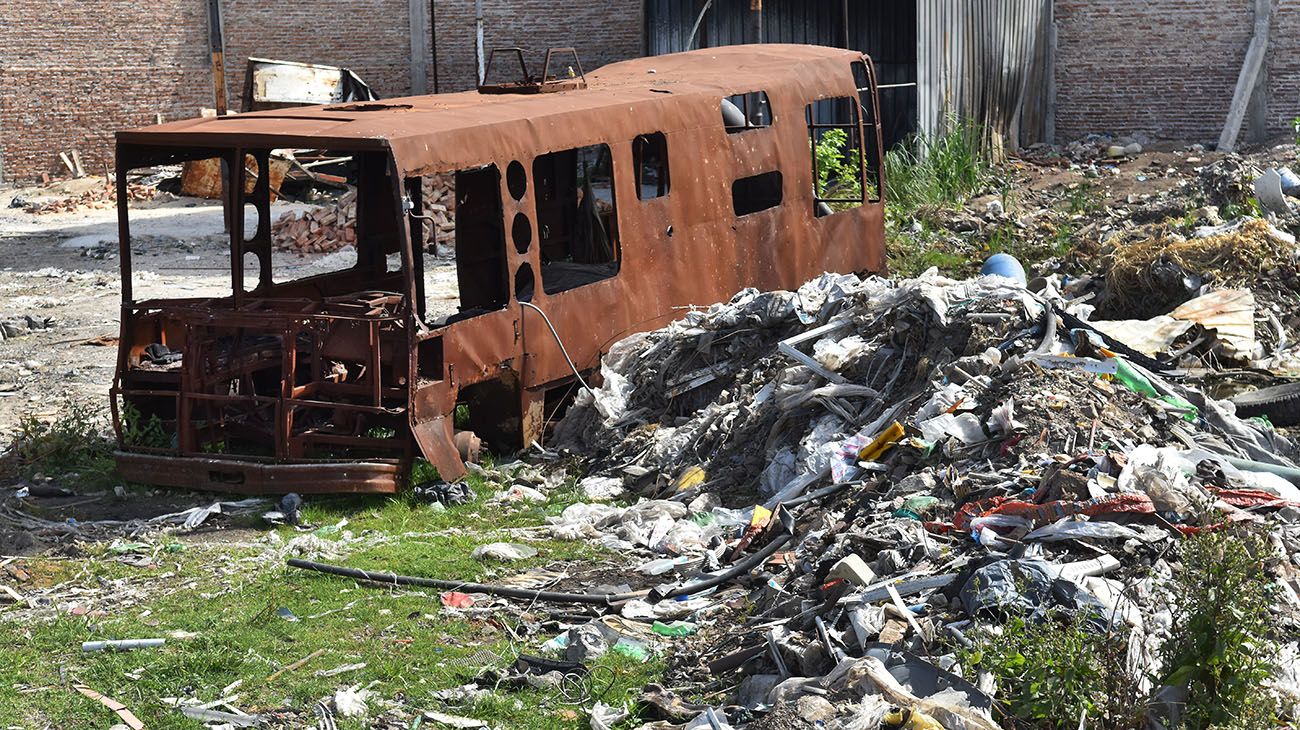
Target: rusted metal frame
[(523, 67), (261, 476), (410, 320), (791, 238), (546, 65), (875, 129), (124, 267), (235, 194)]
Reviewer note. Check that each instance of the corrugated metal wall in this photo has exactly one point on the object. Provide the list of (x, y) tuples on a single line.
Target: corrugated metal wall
[(883, 29), (984, 60)]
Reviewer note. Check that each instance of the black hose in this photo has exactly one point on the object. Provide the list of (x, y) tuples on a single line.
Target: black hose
[(736, 569), (528, 594), (1072, 322)]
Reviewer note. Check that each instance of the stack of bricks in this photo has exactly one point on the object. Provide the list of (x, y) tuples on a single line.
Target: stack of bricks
[(331, 227), (321, 229)]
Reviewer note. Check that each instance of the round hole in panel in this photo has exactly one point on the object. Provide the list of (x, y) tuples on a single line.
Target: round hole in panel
[(252, 221), (524, 283), (516, 180), (252, 270), (522, 233)]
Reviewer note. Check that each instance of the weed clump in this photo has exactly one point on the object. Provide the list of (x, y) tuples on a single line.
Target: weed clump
[(1220, 646), (75, 441), (927, 173), (1051, 673)]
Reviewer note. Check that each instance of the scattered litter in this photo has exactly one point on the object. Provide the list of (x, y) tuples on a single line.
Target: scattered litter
[(503, 551), (351, 701), (341, 670), (123, 713), (455, 721), (122, 644)]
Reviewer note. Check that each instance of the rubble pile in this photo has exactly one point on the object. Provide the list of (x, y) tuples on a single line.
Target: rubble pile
[(327, 228), (98, 197), (847, 487)]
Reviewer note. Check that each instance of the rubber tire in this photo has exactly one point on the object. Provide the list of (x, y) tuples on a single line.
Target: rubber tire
[(1281, 403)]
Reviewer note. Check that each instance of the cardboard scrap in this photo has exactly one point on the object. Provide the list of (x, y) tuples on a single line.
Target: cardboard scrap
[(126, 715)]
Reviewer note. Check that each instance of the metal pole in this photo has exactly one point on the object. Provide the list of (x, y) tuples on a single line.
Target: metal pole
[(844, 15), (756, 21), (478, 47), (690, 42), (419, 47), (433, 42)]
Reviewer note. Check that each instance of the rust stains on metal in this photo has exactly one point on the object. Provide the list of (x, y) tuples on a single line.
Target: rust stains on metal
[(581, 216)]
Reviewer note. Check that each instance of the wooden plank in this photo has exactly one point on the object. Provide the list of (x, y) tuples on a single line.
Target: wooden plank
[(217, 46), (1250, 69)]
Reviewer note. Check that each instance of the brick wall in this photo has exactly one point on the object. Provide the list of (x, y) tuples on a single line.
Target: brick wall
[(71, 76), (1166, 68), (602, 32), (72, 73)]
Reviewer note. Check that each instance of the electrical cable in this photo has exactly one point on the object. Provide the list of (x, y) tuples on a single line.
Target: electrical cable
[(559, 342)]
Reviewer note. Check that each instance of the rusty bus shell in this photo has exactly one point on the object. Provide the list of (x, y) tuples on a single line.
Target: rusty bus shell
[(336, 383)]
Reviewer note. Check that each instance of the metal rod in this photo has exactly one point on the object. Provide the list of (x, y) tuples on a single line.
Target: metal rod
[(478, 47), (691, 40)]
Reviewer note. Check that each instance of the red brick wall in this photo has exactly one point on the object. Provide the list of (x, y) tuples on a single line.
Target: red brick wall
[(70, 76), (602, 32), (1166, 68), (71, 73)]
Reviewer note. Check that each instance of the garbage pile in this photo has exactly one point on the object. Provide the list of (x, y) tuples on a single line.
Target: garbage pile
[(847, 487), (328, 228)]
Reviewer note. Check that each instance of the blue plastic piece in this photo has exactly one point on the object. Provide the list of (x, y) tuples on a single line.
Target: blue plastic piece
[(1004, 264)]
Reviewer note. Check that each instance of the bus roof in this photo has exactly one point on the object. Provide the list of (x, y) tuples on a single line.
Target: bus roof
[(436, 132)]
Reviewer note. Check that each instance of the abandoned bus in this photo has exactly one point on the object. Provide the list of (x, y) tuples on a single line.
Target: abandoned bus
[(585, 208)]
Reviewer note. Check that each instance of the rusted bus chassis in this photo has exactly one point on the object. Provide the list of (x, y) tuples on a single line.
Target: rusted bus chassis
[(665, 182)]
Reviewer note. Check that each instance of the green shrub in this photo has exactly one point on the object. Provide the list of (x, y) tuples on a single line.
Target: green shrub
[(1220, 645), (1048, 674), (1221, 648), (838, 168)]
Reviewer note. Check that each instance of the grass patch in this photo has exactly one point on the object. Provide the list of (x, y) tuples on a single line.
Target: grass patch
[(943, 170), (228, 596)]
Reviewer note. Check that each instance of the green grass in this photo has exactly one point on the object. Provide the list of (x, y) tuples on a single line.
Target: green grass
[(228, 596), (943, 171), (929, 173)]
